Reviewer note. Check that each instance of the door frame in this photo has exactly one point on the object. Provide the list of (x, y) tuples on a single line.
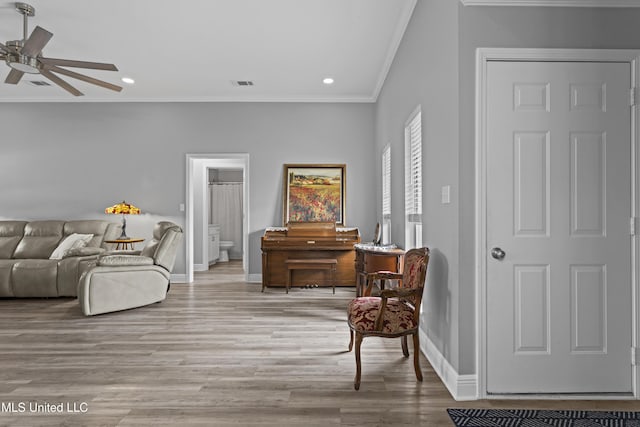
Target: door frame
[(199, 163), (483, 56)]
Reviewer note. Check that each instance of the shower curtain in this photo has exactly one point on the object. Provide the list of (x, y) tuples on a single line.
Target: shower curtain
[(225, 209)]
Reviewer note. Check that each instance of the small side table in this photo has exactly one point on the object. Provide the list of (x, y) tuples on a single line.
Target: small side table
[(125, 244)]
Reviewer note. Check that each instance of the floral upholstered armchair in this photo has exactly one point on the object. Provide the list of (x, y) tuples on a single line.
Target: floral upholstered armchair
[(395, 313)]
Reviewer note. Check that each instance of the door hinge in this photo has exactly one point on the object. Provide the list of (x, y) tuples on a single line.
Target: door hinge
[(633, 96), (635, 356), (633, 225)]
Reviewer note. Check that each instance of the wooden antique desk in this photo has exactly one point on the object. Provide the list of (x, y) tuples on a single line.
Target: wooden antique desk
[(371, 258), (125, 243)]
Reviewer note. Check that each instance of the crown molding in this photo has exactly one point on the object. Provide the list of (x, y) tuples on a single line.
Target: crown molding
[(405, 17), (301, 100), (552, 3)]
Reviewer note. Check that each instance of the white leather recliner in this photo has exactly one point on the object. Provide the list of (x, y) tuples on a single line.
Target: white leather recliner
[(127, 279)]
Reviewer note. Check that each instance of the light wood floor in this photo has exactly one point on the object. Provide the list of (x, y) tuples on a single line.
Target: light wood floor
[(216, 353)]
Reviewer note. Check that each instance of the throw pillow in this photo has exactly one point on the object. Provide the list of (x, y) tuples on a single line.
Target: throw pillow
[(72, 241)]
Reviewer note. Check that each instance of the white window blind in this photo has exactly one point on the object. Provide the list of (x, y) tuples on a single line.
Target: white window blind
[(386, 195), (386, 181), (413, 165), (413, 180)]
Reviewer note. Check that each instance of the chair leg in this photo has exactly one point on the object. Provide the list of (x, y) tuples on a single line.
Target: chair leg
[(416, 356), (356, 381), (351, 339), (405, 347)]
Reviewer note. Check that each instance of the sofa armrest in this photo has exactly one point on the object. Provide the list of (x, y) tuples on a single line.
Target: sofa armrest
[(85, 251), (122, 252), (123, 260)]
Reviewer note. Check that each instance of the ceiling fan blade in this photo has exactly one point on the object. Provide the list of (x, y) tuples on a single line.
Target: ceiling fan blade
[(85, 78), (14, 77), (36, 42), (3, 48), (64, 85), (78, 64)]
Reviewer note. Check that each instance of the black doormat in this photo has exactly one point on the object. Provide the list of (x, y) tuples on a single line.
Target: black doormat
[(542, 418)]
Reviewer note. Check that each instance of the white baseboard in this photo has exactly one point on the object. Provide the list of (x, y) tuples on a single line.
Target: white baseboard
[(461, 387), (254, 278), (182, 278), (179, 278), (200, 267)]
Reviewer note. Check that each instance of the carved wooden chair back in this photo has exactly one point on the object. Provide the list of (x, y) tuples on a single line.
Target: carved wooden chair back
[(395, 313)]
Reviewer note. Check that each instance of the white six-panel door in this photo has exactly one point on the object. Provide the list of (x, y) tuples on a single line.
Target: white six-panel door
[(558, 292)]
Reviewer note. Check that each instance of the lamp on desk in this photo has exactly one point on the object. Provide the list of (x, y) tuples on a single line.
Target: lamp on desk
[(123, 208)]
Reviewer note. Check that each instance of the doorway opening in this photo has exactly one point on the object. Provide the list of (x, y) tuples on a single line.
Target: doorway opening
[(223, 208), (200, 168)]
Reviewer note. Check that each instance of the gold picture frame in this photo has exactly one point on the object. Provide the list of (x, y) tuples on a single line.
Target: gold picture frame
[(314, 193)]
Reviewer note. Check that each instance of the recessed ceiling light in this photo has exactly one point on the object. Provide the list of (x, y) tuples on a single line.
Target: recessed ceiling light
[(128, 80), (327, 81)]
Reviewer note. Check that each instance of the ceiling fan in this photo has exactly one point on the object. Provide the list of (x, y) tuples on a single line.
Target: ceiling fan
[(25, 56)]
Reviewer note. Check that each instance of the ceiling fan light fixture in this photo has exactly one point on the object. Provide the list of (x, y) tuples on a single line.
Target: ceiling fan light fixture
[(128, 80), (25, 56), (23, 63)]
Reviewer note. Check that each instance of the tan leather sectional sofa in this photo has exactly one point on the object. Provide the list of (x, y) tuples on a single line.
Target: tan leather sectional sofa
[(26, 269)]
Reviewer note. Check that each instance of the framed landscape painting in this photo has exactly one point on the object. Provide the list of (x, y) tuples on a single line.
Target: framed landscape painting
[(314, 193)]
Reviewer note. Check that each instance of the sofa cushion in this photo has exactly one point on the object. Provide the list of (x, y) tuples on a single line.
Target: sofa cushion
[(6, 265), (10, 235), (35, 278), (40, 239), (91, 226), (398, 316)]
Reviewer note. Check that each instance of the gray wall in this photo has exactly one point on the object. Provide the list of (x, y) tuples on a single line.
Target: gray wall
[(435, 67), (71, 160), (525, 27), (425, 73)]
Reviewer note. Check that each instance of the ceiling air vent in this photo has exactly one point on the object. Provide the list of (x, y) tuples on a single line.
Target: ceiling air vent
[(39, 83), (242, 83)]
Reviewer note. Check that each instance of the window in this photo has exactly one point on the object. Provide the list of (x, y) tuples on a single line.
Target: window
[(413, 180), (386, 195)]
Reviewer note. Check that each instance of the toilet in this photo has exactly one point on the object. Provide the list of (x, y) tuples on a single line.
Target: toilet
[(225, 247)]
